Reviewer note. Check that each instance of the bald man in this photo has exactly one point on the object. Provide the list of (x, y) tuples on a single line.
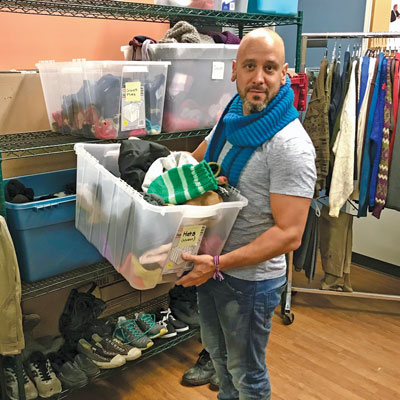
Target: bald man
[(265, 153)]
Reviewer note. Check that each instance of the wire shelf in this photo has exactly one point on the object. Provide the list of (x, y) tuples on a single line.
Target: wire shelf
[(31, 144), (127, 11), (62, 281)]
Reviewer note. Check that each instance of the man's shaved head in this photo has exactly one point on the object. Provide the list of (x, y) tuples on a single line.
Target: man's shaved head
[(259, 69)]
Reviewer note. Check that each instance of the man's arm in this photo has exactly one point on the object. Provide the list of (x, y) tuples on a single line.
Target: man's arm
[(200, 151), (290, 215)]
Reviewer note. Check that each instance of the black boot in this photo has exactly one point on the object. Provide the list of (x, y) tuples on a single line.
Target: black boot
[(201, 373)]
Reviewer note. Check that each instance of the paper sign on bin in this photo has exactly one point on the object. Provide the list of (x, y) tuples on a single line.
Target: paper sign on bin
[(186, 240)]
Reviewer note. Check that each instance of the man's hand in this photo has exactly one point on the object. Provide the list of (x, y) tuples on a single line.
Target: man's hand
[(202, 271)]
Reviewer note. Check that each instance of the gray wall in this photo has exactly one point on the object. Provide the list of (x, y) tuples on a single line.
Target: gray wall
[(324, 16)]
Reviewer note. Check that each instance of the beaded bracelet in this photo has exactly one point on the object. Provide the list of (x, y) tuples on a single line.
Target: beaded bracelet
[(217, 274)]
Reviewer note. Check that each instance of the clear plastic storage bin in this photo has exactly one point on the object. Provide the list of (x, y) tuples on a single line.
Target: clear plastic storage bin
[(142, 241), (198, 85), (104, 99)]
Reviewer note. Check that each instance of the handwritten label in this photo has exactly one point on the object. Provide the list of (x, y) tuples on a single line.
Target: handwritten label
[(190, 235), (132, 91), (218, 70)]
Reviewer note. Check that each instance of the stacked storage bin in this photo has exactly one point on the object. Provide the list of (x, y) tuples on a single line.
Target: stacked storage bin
[(43, 231), (104, 99), (198, 84)]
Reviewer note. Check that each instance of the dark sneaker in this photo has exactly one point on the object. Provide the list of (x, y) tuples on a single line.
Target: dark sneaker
[(214, 382), (201, 373), (147, 323), (178, 325), (42, 374), (162, 319), (128, 332), (86, 365), (99, 356), (70, 375), (10, 375), (114, 346)]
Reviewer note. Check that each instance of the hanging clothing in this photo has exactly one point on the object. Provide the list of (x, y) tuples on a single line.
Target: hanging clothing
[(393, 194), (328, 86), (376, 134), (345, 79), (336, 241), (335, 96), (383, 172), (342, 184), (305, 257), (362, 123), (395, 105), (373, 120), (316, 125), (363, 82), (11, 334)]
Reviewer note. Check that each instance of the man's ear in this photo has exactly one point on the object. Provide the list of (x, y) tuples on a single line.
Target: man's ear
[(233, 77), (284, 73)]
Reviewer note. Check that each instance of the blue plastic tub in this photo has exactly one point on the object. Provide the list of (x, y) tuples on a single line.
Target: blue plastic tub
[(44, 234), (282, 7)]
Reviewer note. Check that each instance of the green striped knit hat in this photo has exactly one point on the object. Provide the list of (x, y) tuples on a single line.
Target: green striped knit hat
[(181, 184)]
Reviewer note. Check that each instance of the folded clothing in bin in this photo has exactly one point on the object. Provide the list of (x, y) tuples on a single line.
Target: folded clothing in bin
[(45, 238), (142, 241)]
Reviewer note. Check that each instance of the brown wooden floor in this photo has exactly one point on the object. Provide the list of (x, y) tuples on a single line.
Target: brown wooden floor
[(337, 349)]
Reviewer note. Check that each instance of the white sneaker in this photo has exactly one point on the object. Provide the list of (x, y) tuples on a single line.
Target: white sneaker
[(42, 373), (10, 375)]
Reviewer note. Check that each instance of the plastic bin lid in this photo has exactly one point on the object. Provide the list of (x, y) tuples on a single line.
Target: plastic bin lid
[(105, 63), (192, 51)]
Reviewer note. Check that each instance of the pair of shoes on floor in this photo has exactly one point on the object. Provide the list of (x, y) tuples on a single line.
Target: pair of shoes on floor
[(170, 323), (68, 372), (112, 346), (140, 331), (10, 376), (104, 359), (41, 372), (202, 373)]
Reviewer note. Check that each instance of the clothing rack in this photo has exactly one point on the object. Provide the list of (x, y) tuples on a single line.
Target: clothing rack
[(319, 37), (287, 315)]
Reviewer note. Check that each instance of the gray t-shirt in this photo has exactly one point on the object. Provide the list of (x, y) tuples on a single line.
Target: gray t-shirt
[(284, 164)]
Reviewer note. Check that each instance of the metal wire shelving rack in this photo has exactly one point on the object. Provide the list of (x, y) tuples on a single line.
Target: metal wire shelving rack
[(31, 144)]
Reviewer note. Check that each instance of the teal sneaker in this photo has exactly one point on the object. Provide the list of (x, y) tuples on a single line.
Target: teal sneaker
[(147, 323), (128, 332)]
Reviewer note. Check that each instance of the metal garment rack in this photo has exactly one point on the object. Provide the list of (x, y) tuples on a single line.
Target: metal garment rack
[(287, 315)]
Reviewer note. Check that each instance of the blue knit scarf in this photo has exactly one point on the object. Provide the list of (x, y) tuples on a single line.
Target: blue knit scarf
[(246, 133)]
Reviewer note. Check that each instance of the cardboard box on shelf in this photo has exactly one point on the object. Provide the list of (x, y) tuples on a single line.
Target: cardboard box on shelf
[(121, 303), (23, 109), (22, 106), (159, 290)]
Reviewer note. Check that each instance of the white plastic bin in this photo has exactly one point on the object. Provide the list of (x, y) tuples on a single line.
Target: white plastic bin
[(198, 85), (104, 99), (127, 230)]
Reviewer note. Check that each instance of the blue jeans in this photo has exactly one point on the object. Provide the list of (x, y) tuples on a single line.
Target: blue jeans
[(235, 321)]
